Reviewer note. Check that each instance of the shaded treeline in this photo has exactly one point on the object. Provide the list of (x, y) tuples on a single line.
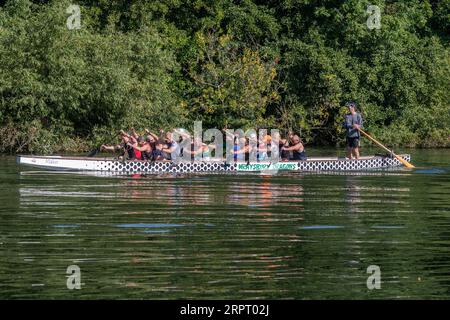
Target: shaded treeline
[(288, 64)]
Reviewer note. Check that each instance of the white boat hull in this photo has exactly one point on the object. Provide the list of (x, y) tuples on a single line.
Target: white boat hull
[(139, 166)]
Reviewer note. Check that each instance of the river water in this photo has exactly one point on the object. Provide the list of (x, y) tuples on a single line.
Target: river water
[(252, 236)]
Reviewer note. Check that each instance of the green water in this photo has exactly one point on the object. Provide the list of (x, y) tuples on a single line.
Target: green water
[(285, 236)]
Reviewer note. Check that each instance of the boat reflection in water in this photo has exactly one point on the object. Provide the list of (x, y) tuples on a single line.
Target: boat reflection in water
[(301, 235), (262, 234)]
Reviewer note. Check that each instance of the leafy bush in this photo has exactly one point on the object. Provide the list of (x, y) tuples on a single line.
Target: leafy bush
[(79, 79), (288, 64)]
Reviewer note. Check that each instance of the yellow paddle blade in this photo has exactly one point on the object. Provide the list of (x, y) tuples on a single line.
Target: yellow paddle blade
[(405, 163), (378, 143)]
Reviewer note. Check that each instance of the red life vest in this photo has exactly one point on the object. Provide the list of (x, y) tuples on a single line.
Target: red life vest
[(138, 154)]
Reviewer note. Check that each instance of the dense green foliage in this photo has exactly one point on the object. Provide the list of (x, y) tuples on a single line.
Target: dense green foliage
[(290, 64)]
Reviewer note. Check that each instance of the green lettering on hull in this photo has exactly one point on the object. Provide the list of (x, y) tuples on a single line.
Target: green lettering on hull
[(266, 166)]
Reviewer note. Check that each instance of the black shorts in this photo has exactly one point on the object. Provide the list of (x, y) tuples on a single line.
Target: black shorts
[(353, 142), (158, 154)]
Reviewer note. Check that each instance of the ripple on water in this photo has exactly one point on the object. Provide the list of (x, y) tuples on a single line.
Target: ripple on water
[(302, 235)]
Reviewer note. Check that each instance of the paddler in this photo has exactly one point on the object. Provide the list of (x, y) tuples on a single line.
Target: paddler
[(199, 148), (240, 149), (297, 148), (123, 146), (285, 143), (263, 147), (151, 139), (142, 149), (172, 148)]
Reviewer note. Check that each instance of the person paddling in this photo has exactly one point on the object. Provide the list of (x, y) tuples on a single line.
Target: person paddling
[(142, 149), (353, 122), (263, 147), (283, 144), (123, 146), (157, 153), (297, 148), (151, 138), (240, 149), (172, 149), (198, 148), (133, 154)]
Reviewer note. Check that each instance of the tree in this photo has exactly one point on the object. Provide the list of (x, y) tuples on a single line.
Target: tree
[(232, 85)]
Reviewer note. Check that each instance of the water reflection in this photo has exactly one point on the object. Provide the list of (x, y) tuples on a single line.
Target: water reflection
[(302, 235), (352, 194)]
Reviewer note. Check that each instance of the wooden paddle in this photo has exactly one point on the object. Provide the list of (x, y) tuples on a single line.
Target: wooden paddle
[(405, 163)]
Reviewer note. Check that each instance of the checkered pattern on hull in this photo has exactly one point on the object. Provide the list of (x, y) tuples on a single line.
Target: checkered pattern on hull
[(187, 167), (350, 165), (162, 167)]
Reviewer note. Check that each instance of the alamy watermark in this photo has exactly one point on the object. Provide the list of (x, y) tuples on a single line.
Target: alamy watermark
[(374, 19), (231, 145), (374, 280), (73, 22), (74, 277)]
